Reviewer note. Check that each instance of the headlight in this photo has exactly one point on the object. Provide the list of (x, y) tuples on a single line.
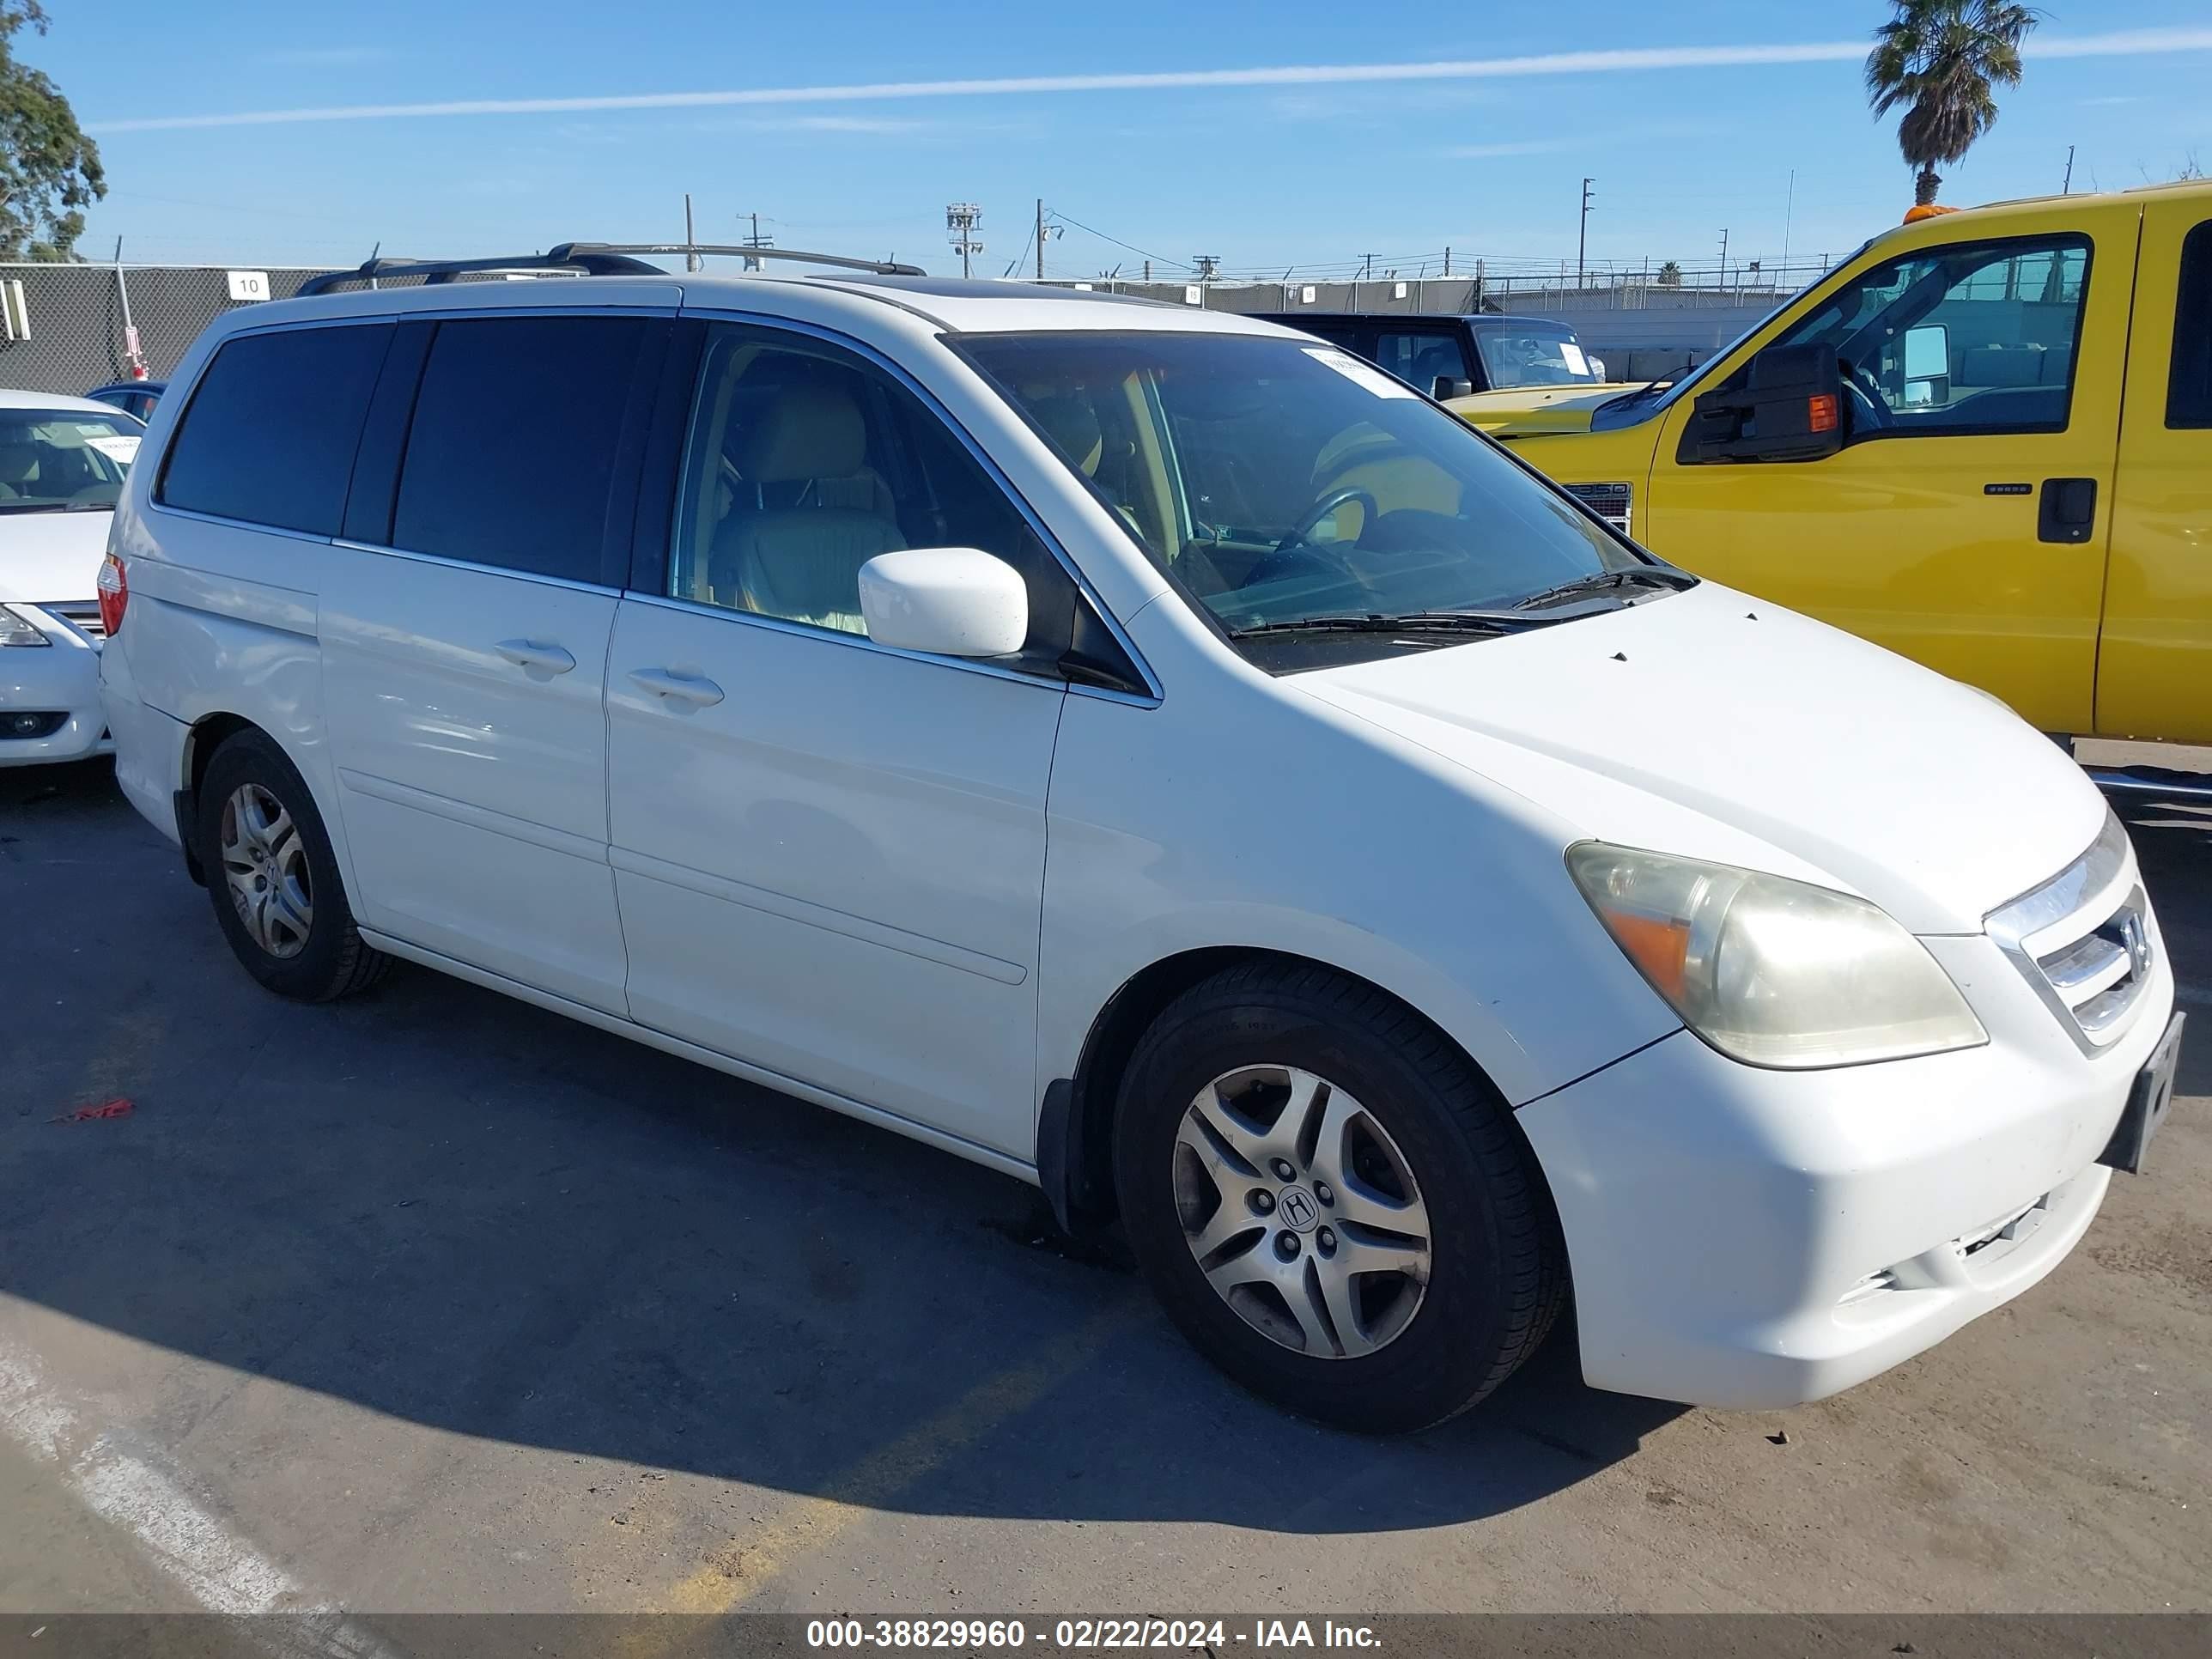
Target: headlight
[(1770, 971), (15, 631)]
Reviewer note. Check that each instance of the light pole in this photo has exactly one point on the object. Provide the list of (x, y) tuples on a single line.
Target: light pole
[(1581, 241)]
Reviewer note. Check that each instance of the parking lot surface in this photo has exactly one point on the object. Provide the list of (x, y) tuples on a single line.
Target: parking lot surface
[(431, 1300)]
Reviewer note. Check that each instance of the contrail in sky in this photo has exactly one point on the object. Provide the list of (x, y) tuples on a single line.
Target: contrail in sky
[(2125, 43)]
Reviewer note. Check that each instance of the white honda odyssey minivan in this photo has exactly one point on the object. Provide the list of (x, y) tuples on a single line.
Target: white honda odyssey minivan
[(1161, 757)]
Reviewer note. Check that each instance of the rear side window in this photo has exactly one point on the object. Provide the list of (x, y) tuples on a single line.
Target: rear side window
[(2189, 384), (269, 433), (511, 456)]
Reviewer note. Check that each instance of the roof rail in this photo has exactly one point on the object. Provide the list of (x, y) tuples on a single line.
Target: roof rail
[(585, 259), (880, 267)]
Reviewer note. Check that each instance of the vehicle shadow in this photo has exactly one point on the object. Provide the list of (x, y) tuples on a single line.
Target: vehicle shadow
[(2173, 845), (449, 1208)]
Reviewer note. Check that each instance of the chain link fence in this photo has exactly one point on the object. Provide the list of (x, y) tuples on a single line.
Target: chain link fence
[(73, 337)]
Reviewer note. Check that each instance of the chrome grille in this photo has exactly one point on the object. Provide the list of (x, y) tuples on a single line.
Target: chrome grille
[(83, 615), (2084, 938), (1610, 502)]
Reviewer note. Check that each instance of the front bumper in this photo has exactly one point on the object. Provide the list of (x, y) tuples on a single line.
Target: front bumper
[(60, 678), (1753, 1239)]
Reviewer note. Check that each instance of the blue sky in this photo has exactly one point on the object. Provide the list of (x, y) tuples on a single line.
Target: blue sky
[(1262, 170)]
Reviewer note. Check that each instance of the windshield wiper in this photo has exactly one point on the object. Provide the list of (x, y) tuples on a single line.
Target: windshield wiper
[(1656, 575), (33, 506), (1412, 621), (1665, 382)]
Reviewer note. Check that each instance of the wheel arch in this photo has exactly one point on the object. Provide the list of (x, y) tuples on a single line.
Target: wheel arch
[(201, 738), (1076, 1122)]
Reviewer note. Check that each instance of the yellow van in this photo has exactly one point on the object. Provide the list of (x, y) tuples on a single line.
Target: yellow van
[(1983, 441)]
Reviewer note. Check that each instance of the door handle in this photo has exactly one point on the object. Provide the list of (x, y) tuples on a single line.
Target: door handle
[(699, 692), (2068, 510), (528, 653)]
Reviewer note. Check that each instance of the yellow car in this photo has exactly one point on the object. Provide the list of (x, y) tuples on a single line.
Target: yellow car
[(1985, 441)]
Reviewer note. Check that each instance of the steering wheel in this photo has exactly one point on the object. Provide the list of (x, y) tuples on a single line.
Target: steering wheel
[(1866, 393), (1320, 510)]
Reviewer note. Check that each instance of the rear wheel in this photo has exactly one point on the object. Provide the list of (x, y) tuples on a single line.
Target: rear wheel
[(274, 879), (1331, 1202)]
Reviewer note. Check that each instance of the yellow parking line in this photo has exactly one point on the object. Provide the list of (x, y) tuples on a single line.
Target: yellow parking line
[(746, 1565)]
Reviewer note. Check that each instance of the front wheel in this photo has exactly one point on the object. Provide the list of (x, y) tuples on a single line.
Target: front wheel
[(1331, 1203)]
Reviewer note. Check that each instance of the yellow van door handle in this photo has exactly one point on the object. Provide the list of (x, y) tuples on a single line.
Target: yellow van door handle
[(2068, 512)]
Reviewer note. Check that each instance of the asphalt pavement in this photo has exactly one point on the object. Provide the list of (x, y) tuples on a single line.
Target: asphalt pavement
[(432, 1301)]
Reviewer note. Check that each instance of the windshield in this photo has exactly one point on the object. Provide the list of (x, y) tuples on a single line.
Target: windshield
[(61, 460), (1283, 482), (1534, 354)]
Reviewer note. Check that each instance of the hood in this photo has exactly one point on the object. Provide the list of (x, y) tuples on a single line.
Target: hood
[(1525, 411), (52, 558), (1715, 726)]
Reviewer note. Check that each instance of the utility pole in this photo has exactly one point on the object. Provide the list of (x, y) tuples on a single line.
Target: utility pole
[(2067, 189), (752, 261), (1367, 269), (690, 260), (1040, 238), (1581, 241), (1447, 262), (1723, 280), (961, 219)]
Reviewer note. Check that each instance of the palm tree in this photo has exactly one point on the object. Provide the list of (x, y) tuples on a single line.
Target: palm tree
[(1940, 58)]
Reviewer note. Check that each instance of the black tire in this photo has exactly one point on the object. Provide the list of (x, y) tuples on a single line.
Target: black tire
[(1497, 1276), (333, 961)]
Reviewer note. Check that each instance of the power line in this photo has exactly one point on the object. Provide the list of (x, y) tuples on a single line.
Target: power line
[(1067, 219)]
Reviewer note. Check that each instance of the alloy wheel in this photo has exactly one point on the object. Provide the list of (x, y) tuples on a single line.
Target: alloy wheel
[(1301, 1212), (266, 864)]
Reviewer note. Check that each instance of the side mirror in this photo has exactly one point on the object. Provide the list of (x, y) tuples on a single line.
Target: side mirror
[(1790, 408), (1452, 386), (1927, 363), (948, 601)]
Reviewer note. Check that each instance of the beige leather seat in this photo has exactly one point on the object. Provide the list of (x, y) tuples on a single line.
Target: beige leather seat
[(801, 563)]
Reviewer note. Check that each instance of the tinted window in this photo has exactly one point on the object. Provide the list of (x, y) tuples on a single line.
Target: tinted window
[(269, 433), (1977, 336), (2189, 383), (1422, 358), (511, 455), (804, 463)]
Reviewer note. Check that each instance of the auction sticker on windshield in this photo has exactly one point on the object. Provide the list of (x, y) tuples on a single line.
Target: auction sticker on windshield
[(1359, 373), (121, 447)]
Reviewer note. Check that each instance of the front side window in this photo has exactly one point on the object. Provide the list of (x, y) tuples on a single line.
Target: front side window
[(269, 433), (1979, 337), (1286, 486), (2189, 382), (56, 460), (1421, 359), (804, 462), (1516, 354), (511, 451)]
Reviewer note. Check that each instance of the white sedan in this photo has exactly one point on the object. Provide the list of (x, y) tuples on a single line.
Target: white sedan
[(62, 465)]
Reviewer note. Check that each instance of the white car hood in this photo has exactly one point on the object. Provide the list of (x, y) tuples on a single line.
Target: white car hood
[(52, 558), (1717, 726)]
